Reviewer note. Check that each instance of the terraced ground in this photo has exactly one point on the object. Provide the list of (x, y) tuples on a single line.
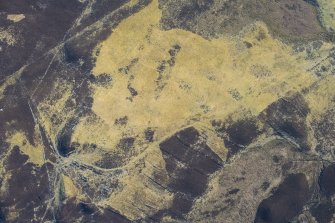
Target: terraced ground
[(167, 111)]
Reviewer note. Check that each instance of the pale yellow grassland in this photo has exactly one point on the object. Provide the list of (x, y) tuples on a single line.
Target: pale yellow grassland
[(328, 13), (195, 90)]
